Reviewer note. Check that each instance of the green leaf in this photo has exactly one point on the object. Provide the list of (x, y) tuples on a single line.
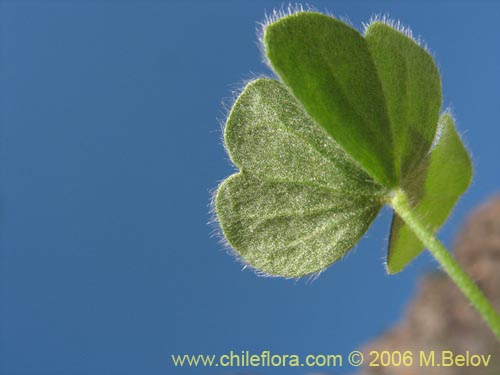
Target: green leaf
[(299, 202), (328, 67), (434, 189), (412, 91)]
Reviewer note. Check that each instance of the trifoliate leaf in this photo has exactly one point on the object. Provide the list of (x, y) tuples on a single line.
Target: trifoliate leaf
[(299, 202), (354, 118), (412, 91), (434, 189), (328, 67)]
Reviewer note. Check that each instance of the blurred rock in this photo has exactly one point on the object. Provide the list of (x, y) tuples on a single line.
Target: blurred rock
[(440, 318)]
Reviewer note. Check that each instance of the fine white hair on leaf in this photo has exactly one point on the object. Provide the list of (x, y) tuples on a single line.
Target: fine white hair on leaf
[(236, 89), (214, 223), (439, 128), (396, 25), (405, 30), (285, 11), (290, 9), (314, 276), (275, 15), (227, 104), (251, 195), (216, 232), (449, 111), (439, 133)]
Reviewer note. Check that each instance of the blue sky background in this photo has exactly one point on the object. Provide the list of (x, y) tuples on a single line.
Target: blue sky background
[(110, 147)]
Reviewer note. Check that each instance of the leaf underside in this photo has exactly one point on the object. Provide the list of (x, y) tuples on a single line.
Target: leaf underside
[(434, 189), (299, 202)]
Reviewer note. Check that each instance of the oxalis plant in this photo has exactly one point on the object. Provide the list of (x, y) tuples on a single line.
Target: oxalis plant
[(352, 124)]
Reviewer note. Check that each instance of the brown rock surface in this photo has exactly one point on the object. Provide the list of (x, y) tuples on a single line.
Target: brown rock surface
[(439, 318)]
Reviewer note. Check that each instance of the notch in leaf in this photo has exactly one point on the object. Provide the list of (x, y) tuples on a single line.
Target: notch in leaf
[(299, 202)]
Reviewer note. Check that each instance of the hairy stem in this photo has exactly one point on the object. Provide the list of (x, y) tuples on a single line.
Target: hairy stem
[(401, 205)]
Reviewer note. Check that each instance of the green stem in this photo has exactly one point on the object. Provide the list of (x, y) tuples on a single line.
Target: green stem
[(401, 205)]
